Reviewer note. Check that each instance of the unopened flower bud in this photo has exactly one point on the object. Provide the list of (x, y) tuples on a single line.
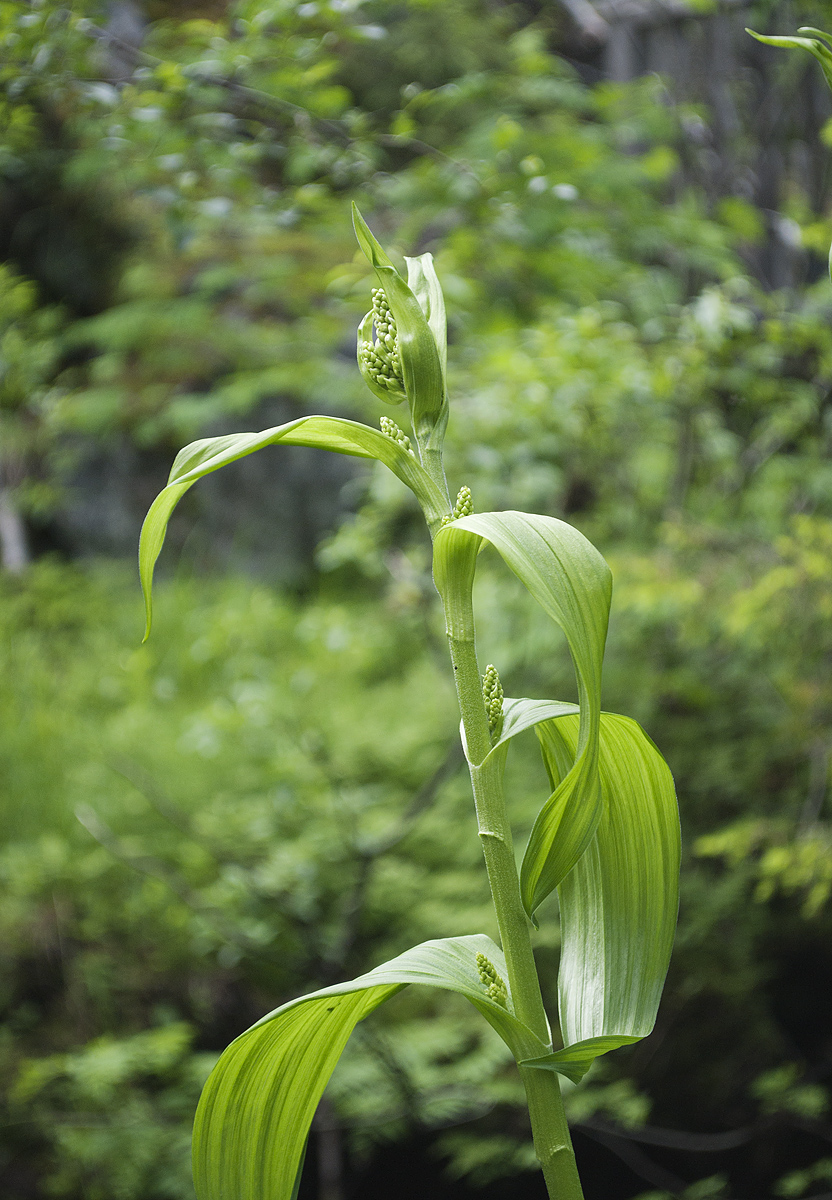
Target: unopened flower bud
[(378, 356), (390, 429), (464, 504), (491, 981), (492, 694)]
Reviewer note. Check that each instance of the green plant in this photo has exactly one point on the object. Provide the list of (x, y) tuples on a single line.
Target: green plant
[(607, 838)]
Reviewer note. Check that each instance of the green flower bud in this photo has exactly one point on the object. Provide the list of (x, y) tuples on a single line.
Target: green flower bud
[(390, 429), (492, 694), (406, 359), (491, 981), (463, 508), (464, 504), (378, 356)]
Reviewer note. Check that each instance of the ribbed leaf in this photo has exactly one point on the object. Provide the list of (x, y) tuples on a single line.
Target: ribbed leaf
[(618, 904), (326, 433), (422, 364), (254, 1114), (571, 581)]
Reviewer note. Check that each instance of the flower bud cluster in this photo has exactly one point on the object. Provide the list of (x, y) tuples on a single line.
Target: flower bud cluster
[(463, 508), (390, 429), (491, 981), (464, 504), (492, 694), (380, 358)]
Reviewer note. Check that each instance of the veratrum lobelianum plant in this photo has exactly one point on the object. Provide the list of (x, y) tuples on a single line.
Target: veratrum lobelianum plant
[(607, 838)]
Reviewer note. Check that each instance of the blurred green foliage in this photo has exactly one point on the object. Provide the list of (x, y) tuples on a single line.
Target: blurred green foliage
[(197, 830)]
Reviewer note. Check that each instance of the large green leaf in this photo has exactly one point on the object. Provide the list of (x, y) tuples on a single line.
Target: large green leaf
[(570, 580), (254, 1114), (618, 904), (327, 433), (422, 356)]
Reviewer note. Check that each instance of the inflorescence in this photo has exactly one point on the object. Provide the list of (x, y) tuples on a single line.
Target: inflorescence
[(390, 429), (463, 508), (491, 981), (380, 358), (492, 694)]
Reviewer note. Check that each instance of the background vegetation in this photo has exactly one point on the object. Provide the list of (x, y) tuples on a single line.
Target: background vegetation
[(196, 830)]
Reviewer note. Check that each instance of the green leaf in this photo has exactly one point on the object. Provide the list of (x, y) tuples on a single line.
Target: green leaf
[(618, 905), (522, 714), (816, 48), (256, 1108), (424, 283), (570, 580), (518, 716), (568, 820), (327, 433), (575, 1061), (422, 362)]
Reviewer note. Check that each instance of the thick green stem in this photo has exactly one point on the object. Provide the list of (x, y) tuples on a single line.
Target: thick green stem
[(549, 1127), (550, 1130), (432, 462)]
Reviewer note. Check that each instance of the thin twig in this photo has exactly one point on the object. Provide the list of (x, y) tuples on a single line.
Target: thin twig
[(677, 1139), (335, 130)]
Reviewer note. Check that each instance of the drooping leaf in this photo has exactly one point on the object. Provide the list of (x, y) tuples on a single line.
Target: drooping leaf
[(618, 904), (570, 580), (818, 49), (256, 1108), (422, 364), (326, 433)]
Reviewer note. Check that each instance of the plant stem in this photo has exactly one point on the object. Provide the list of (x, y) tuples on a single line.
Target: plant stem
[(431, 459), (549, 1127)]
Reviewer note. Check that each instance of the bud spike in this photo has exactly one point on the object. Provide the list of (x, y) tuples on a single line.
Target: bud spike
[(491, 981), (390, 429), (492, 694)]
